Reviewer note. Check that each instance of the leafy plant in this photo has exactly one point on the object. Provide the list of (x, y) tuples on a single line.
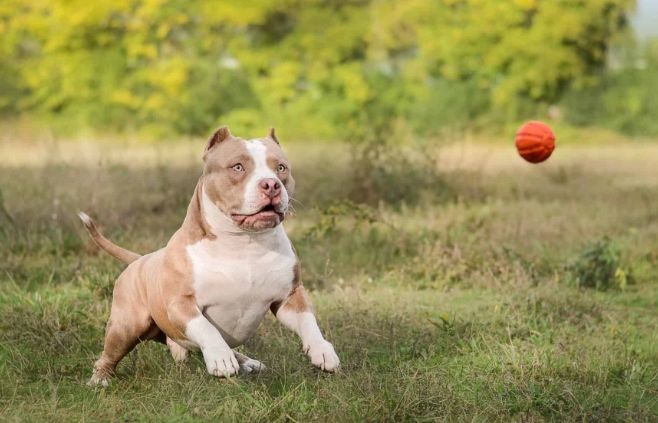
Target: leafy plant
[(600, 267), (360, 213)]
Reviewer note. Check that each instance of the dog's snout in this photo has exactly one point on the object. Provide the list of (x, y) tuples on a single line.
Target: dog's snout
[(270, 187)]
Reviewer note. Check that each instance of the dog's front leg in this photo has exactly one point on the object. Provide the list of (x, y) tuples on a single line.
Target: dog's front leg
[(296, 313), (185, 315)]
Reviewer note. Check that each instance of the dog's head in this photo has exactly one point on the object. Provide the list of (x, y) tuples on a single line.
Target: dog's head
[(249, 181)]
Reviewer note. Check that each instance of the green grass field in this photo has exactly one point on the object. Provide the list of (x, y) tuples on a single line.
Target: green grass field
[(456, 293)]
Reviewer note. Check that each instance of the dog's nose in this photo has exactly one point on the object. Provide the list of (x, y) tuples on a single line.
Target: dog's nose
[(270, 187)]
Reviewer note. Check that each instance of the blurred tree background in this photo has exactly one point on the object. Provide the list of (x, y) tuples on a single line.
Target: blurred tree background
[(323, 69)]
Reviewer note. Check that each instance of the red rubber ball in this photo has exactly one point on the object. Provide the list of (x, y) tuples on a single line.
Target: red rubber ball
[(535, 141)]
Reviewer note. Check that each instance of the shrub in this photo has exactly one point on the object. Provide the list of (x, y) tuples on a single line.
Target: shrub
[(600, 266)]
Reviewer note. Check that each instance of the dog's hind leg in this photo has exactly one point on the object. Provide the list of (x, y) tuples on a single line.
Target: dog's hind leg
[(119, 341), (128, 325), (248, 365), (179, 353)]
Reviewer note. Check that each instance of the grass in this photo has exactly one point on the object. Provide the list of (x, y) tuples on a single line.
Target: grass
[(455, 303)]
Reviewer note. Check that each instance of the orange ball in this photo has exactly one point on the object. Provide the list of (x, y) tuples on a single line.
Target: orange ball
[(535, 141)]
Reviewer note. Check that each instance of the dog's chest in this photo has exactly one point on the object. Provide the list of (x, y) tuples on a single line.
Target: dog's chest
[(236, 281)]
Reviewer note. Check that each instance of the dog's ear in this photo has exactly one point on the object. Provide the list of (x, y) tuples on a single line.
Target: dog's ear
[(272, 135), (218, 136)]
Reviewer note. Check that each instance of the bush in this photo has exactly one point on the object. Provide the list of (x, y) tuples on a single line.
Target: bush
[(600, 267)]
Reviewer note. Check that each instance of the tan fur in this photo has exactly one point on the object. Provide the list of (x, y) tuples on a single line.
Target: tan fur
[(114, 250), (297, 301), (272, 135)]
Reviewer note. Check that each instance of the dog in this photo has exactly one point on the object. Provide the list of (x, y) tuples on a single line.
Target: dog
[(228, 264)]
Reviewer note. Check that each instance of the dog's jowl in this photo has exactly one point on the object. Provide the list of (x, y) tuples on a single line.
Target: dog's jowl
[(228, 264)]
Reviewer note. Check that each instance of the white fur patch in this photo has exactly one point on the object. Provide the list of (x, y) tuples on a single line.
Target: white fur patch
[(204, 335), (219, 357), (187, 344), (98, 381), (85, 218), (251, 203), (321, 352), (177, 351), (322, 355), (238, 276), (252, 365), (303, 324)]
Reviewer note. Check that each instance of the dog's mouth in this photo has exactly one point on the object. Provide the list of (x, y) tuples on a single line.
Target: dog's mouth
[(267, 212)]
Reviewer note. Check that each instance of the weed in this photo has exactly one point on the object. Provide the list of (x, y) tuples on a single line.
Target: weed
[(600, 267)]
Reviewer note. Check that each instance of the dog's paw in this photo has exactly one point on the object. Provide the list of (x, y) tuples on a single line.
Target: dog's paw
[(322, 355), (252, 365), (221, 363), (102, 375), (97, 380), (177, 352)]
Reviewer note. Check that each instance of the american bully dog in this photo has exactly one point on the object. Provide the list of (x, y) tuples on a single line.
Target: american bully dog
[(229, 263)]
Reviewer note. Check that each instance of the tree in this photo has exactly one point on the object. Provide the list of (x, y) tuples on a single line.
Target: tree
[(322, 68)]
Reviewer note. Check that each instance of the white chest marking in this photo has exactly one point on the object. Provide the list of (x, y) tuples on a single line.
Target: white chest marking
[(237, 277)]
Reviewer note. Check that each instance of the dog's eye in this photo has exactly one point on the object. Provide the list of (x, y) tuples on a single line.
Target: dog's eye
[(238, 168), (281, 168)]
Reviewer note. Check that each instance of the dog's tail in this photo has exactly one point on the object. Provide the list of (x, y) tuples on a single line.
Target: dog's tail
[(118, 252)]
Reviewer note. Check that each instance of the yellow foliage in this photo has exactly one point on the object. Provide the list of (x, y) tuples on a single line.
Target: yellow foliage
[(126, 98), (314, 60), (526, 4), (355, 85)]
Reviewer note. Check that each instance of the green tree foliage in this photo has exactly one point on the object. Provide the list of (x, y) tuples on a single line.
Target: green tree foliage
[(623, 99), (320, 68)]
